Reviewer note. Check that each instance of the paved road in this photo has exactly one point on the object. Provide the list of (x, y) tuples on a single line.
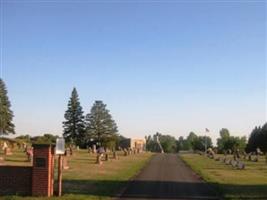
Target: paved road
[(167, 177)]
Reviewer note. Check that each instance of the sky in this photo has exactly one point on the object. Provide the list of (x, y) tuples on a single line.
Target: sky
[(160, 66)]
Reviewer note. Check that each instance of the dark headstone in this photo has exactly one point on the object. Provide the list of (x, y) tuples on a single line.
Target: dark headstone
[(106, 157), (115, 156), (240, 165)]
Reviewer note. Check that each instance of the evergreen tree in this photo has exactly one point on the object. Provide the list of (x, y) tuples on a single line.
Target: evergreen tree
[(100, 125), (74, 126), (258, 139), (6, 115)]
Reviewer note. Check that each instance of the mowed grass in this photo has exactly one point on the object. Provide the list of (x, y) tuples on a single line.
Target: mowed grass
[(250, 183), (87, 180)]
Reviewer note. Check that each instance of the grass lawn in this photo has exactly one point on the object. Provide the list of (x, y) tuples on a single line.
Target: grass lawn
[(87, 180), (250, 183)]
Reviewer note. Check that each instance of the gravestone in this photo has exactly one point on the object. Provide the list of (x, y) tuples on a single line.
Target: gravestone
[(106, 157), (244, 155), (125, 152), (99, 158), (228, 162), (67, 152), (134, 151), (29, 153), (7, 151), (4, 146), (100, 154), (258, 151), (256, 159), (115, 156), (129, 151), (234, 163), (240, 165), (2, 161), (94, 148), (24, 145), (249, 156), (65, 163), (71, 151)]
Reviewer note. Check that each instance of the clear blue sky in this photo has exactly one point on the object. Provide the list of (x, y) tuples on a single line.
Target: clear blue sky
[(171, 67)]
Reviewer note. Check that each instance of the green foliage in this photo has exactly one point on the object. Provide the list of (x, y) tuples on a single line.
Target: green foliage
[(183, 144), (24, 138), (258, 139), (201, 143), (168, 143), (226, 141), (45, 139), (100, 125), (193, 142), (74, 124), (224, 133), (190, 139), (6, 115), (151, 144)]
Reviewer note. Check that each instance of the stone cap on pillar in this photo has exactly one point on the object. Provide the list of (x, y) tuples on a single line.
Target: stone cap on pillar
[(42, 145)]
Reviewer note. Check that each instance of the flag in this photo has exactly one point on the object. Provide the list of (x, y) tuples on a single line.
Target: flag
[(207, 130)]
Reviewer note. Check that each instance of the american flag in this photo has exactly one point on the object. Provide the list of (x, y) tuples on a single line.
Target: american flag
[(207, 130)]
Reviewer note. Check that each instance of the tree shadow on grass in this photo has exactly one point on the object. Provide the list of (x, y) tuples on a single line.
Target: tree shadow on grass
[(163, 190)]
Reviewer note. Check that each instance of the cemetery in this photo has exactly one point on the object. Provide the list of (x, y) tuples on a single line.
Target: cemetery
[(234, 176), (86, 174)]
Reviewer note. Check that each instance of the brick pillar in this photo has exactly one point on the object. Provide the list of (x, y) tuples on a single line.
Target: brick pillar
[(43, 170)]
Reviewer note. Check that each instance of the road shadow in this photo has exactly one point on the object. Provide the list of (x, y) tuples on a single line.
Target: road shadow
[(162, 189)]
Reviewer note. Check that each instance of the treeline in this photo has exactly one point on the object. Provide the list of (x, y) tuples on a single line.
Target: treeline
[(167, 142), (44, 139), (225, 143), (194, 142), (171, 145)]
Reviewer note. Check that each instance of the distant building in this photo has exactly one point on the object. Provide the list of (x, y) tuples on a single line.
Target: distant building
[(138, 144)]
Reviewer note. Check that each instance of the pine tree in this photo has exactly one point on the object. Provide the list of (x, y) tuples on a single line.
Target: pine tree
[(74, 126), (6, 115), (100, 125)]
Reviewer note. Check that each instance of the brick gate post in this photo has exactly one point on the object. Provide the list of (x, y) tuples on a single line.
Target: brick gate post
[(43, 170)]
